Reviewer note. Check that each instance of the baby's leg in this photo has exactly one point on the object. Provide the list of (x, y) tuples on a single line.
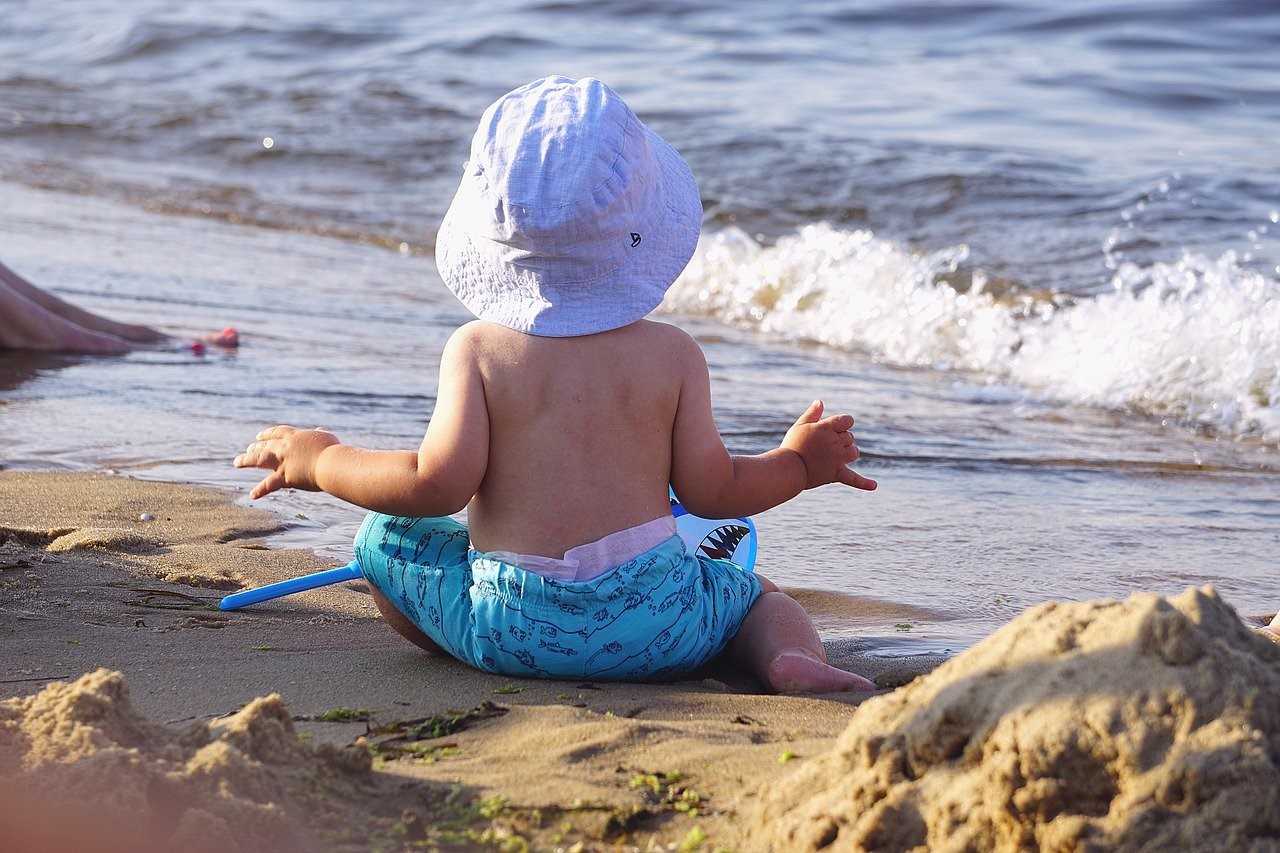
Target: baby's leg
[(402, 625), (777, 642)]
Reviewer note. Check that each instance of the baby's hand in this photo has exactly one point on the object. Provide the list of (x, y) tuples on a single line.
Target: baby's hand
[(291, 455), (826, 447)]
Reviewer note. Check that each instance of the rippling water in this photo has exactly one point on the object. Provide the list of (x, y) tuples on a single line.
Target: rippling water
[(1033, 246)]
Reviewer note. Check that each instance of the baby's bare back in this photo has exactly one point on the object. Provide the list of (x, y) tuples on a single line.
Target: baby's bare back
[(580, 434)]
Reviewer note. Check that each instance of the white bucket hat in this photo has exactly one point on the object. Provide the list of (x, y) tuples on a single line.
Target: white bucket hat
[(572, 217)]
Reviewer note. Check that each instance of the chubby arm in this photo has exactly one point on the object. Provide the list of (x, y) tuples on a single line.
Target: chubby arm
[(714, 484), (439, 479)]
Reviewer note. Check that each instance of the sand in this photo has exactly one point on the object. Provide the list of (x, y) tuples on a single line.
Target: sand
[(140, 717), (1149, 724)]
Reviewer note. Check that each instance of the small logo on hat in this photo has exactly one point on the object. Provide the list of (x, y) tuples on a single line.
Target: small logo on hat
[(635, 239)]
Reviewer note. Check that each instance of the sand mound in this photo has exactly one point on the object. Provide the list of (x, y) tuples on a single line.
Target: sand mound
[(1149, 724), (84, 771), (103, 539)]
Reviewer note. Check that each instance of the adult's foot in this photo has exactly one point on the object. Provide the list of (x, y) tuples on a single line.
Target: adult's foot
[(50, 333), (136, 333)]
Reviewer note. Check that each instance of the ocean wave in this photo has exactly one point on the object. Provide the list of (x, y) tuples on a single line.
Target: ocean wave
[(1194, 339)]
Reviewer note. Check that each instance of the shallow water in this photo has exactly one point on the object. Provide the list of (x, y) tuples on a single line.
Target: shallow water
[(1032, 247), (986, 504)]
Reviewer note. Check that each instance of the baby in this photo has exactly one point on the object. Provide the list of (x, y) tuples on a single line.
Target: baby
[(561, 419)]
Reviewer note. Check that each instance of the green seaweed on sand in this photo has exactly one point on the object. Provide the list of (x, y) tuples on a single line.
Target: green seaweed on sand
[(393, 740), (343, 715), (665, 791)]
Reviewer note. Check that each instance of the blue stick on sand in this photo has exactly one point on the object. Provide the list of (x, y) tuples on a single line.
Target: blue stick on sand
[(726, 539), (236, 600)]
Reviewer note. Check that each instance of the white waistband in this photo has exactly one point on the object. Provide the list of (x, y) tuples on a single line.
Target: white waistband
[(595, 558)]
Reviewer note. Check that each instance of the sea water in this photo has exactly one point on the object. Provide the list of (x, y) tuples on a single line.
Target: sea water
[(1033, 247)]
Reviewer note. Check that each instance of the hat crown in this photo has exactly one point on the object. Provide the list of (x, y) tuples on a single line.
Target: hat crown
[(572, 217), (563, 164), (553, 142)]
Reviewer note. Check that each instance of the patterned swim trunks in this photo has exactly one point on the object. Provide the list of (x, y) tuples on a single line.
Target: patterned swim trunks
[(662, 614)]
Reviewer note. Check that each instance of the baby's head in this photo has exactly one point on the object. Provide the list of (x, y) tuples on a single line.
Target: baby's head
[(572, 217)]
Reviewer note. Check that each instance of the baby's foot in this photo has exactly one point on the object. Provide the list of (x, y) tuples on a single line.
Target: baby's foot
[(796, 671)]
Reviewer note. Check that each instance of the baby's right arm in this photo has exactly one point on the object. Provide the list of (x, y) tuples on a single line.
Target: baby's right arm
[(439, 479), (714, 484)]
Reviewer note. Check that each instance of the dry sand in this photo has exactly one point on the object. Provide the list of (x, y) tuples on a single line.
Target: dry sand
[(1149, 724), (143, 718)]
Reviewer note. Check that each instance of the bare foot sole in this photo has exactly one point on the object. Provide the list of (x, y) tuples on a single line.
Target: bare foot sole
[(797, 672)]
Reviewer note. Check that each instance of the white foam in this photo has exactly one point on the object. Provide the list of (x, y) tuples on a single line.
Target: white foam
[(1193, 339)]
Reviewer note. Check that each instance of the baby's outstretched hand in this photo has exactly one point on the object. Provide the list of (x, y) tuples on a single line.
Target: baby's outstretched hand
[(290, 454), (826, 447)]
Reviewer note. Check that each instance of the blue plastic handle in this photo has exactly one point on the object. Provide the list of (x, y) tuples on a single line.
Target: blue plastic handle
[(236, 600)]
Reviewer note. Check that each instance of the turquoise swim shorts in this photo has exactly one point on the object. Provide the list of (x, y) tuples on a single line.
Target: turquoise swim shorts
[(662, 614)]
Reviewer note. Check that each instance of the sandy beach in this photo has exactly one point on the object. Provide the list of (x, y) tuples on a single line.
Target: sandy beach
[(125, 610), (1034, 252), (138, 716)]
